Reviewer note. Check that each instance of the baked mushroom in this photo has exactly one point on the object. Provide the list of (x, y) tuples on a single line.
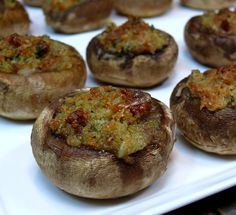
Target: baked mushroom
[(204, 108), (103, 142), (211, 38), (13, 18), (35, 3), (33, 70), (142, 8), (74, 16), (207, 4), (133, 54)]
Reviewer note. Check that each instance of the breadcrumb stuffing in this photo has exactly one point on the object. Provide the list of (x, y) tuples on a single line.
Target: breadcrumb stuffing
[(60, 5), (216, 87), (220, 21), (134, 36), (25, 55), (9, 3), (106, 118)]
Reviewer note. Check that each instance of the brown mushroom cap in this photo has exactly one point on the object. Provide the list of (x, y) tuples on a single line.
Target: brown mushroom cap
[(211, 131), (13, 20), (142, 70), (100, 174), (208, 47), (139, 8), (84, 16), (23, 97), (207, 4), (35, 3)]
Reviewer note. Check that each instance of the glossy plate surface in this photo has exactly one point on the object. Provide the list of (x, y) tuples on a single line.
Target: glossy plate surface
[(191, 174)]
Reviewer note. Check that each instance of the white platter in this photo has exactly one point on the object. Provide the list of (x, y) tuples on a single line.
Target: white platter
[(191, 174)]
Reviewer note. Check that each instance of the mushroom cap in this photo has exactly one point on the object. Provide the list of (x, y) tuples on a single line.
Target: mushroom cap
[(100, 174)]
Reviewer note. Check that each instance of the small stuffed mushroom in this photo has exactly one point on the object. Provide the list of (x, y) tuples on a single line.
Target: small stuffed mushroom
[(204, 108), (211, 38), (33, 70), (142, 8), (103, 142), (133, 54), (13, 18), (34, 3), (74, 16), (207, 4)]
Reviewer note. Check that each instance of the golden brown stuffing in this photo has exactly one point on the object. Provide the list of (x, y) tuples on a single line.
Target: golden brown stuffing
[(58, 5), (134, 36), (220, 21), (25, 55), (216, 87), (106, 118)]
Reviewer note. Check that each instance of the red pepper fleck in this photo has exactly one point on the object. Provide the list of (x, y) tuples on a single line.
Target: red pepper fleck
[(116, 108), (15, 40), (128, 95), (78, 119), (225, 25), (140, 109), (42, 48), (94, 92)]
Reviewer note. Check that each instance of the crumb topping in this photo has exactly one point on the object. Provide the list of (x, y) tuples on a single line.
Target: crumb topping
[(220, 21), (106, 118), (25, 55), (8, 3), (60, 5), (134, 36), (216, 87)]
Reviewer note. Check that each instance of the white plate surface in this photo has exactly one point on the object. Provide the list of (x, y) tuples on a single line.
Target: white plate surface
[(191, 174)]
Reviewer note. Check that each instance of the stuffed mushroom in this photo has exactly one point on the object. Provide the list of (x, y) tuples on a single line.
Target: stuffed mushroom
[(33, 70), (211, 38), (103, 142), (133, 54), (74, 16), (141, 8), (13, 18), (204, 108), (207, 4)]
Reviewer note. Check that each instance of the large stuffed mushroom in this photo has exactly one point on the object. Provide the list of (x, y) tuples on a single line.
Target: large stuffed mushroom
[(13, 18), (133, 54), (74, 16), (33, 70), (103, 142), (211, 38), (204, 108)]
